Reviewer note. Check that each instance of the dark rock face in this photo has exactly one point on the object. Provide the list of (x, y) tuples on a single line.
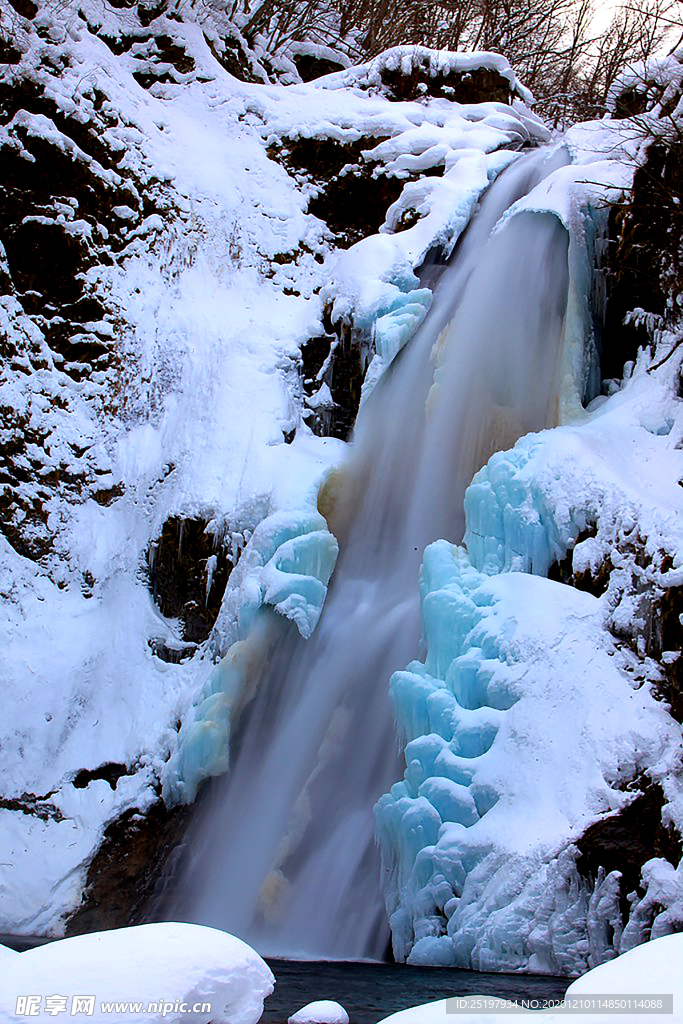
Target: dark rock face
[(110, 772), (340, 362), (126, 868), (188, 573), (644, 254), (631, 102), (26, 8), (627, 840), (350, 199), (591, 583), (665, 637), (477, 86), (58, 194), (232, 54), (71, 201), (353, 204), (311, 66), (37, 806)]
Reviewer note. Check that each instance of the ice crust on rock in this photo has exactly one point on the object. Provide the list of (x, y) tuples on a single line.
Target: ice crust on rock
[(148, 964)]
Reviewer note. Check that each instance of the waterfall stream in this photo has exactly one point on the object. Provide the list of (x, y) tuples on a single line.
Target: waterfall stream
[(285, 856)]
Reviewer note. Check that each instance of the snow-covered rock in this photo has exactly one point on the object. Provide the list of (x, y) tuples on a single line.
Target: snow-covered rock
[(153, 972), (322, 1011)]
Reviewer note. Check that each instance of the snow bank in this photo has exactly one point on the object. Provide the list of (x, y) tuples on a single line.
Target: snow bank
[(653, 968), (162, 971)]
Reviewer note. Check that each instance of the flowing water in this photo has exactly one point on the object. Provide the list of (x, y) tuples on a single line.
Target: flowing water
[(285, 856)]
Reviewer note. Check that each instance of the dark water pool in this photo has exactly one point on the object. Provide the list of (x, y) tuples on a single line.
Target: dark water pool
[(370, 992)]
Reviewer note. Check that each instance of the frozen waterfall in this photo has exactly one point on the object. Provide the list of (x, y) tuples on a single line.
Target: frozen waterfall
[(285, 854)]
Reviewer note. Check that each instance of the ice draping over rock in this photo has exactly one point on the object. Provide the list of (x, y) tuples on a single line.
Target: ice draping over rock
[(656, 79), (286, 566), (155, 968), (373, 284), (527, 507), (528, 718), (464, 830)]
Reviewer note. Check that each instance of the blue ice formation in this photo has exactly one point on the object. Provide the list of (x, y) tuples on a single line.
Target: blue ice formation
[(512, 526), (399, 322), (286, 566), (392, 328), (448, 709), (459, 889)]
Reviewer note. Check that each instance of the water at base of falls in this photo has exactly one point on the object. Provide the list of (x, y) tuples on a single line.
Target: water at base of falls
[(285, 856)]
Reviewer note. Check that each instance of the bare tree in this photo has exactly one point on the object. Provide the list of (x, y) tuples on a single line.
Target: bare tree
[(551, 43)]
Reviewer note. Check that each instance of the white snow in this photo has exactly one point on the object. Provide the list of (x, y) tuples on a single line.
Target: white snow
[(519, 670), (163, 971)]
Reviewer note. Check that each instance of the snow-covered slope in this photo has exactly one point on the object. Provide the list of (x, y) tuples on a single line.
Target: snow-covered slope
[(161, 269)]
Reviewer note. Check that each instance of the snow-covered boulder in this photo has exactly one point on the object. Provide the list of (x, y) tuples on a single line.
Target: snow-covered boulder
[(322, 1011), (153, 972)]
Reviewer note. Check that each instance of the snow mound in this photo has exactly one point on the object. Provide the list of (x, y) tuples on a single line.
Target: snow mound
[(163, 971), (651, 969), (323, 1011)]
